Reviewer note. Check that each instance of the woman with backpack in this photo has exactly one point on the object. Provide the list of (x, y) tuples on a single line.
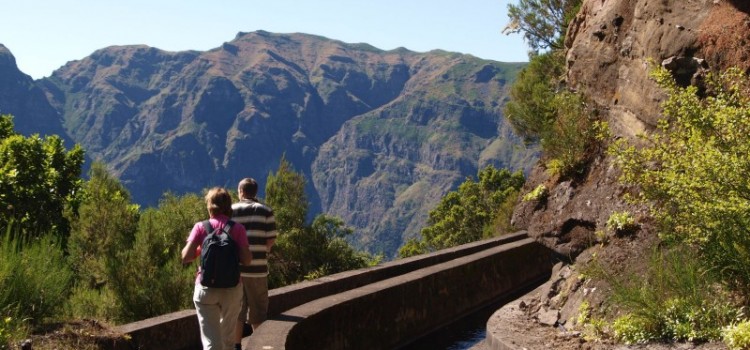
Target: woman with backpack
[(218, 291)]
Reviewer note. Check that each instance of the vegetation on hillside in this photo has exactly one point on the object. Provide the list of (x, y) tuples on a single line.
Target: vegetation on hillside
[(477, 210), (73, 249), (37, 176), (541, 108), (692, 173), (306, 251)]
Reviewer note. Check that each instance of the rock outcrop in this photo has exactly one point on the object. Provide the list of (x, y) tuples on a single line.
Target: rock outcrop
[(22, 98)]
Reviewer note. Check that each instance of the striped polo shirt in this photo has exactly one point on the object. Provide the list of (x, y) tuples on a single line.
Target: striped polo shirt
[(261, 226)]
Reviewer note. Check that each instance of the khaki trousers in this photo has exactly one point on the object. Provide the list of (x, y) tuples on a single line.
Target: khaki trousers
[(217, 310)]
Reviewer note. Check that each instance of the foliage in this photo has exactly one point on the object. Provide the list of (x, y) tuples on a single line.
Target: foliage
[(35, 280), (305, 251), (127, 262), (542, 22), (676, 300), (530, 109), (593, 328), (314, 251), (501, 223), (463, 216), (571, 139), (6, 332), (412, 247), (540, 111), (621, 222), (737, 337), (148, 279), (693, 172), (106, 224), (39, 179), (285, 193), (538, 193)]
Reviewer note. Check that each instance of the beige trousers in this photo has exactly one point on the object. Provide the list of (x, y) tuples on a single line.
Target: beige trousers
[(217, 310)]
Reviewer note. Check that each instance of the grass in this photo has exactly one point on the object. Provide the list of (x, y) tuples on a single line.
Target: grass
[(35, 280), (676, 299)]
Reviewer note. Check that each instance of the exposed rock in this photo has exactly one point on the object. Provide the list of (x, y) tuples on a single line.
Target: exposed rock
[(548, 317), (22, 98)]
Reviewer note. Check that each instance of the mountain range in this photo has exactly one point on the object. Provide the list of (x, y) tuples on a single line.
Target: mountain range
[(380, 135)]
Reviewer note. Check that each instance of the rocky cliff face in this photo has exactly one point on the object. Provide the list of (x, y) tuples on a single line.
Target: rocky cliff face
[(21, 97), (380, 135), (609, 46)]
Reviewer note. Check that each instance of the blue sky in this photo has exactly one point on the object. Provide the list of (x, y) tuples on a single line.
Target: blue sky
[(45, 34)]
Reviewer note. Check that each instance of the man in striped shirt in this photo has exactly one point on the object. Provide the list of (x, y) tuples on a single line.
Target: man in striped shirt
[(260, 224)]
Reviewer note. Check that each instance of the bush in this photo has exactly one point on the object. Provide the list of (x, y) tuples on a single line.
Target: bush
[(538, 193), (542, 111), (37, 176), (693, 172), (35, 280), (472, 212), (737, 337), (676, 300), (316, 250), (621, 222)]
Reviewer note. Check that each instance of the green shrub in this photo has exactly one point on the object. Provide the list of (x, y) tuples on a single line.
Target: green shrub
[(39, 181), (693, 172), (531, 109), (676, 300), (11, 330), (541, 111), (571, 139), (538, 193), (501, 222), (35, 280), (737, 337), (632, 329), (621, 222), (473, 211), (138, 271), (412, 247)]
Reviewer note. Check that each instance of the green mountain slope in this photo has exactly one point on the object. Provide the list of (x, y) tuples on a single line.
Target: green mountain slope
[(380, 135)]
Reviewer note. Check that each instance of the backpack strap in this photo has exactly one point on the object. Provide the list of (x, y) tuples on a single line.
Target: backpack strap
[(207, 226), (227, 228)]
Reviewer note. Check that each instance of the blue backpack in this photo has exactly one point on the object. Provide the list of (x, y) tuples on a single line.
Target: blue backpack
[(220, 262)]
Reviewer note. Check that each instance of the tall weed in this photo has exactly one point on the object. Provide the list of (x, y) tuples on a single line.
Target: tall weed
[(675, 300), (35, 280)]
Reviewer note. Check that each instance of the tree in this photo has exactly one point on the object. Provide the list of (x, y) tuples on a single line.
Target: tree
[(468, 214), (305, 251), (285, 193), (542, 22), (543, 111), (139, 274), (315, 251), (106, 224), (39, 180), (531, 109), (149, 280)]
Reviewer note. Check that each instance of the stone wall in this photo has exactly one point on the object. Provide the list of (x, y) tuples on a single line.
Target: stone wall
[(395, 311)]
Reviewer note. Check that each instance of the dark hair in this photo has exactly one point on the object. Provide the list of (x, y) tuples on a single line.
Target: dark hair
[(219, 201), (248, 188)]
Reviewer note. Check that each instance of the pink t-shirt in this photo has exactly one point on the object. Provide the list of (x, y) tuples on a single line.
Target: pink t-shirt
[(198, 234)]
